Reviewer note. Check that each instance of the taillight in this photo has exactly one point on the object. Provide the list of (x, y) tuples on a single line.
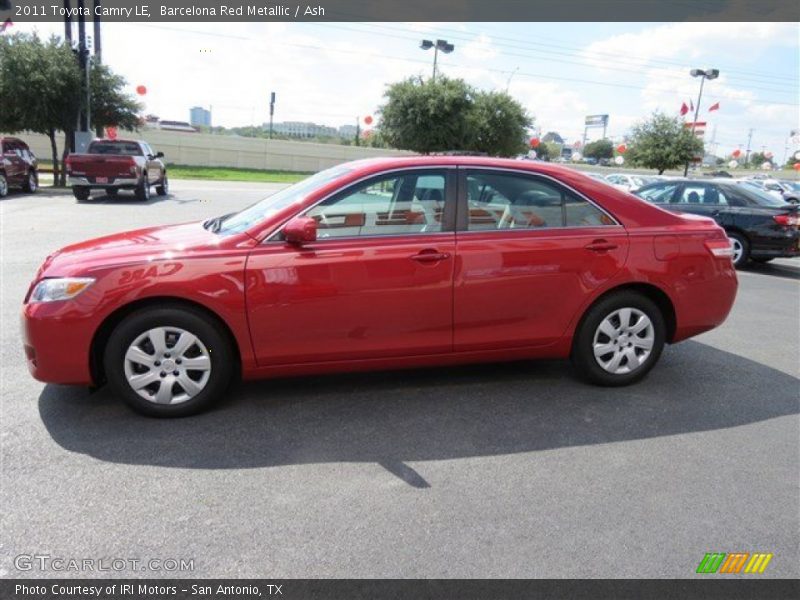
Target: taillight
[(132, 166), (787, 220), (68, 164), (720, 248)]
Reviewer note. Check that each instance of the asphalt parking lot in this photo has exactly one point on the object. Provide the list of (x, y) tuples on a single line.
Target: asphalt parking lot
[(515, 470)]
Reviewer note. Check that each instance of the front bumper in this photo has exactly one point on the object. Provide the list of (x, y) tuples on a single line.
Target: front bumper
[(112, 182), (57, 343)]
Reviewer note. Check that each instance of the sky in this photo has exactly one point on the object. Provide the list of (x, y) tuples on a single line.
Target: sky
[(336, 73)]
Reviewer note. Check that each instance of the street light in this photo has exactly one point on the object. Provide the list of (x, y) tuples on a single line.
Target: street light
[(703, 74), (440, 45)]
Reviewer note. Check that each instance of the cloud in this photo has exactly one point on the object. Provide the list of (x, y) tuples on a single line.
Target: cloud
[(735, 43)]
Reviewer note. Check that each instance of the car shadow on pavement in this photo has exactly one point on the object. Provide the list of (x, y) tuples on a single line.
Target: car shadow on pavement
[(127, 198), (775, 270), (391, 418)]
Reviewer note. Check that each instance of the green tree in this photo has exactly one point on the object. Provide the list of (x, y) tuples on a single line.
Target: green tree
[(759, 158), (41, 91), (499, 125), (599, 149), (39, 88), (662, 142), (447, 114), (553, 149)]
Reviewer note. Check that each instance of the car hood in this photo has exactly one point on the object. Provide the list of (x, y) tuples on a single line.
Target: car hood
[(131, 247)]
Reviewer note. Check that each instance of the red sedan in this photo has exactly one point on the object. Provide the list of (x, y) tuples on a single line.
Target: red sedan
[(379, 264)]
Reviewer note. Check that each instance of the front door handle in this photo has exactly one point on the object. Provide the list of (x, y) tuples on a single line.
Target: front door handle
[(600, 246), (430, 255)]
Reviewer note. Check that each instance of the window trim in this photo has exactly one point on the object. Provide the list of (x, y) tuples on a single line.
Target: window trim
[(448, 216), (462, 223)]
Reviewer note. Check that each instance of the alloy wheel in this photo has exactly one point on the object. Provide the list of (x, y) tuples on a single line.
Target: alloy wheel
[(738, 249)]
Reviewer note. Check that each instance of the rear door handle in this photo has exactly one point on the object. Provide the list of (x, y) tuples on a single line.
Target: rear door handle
[(600, 246), (430, 255)]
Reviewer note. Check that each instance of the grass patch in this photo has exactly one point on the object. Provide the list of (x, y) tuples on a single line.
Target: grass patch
[(232, 174)]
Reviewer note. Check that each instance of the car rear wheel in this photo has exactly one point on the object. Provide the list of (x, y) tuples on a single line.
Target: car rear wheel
[(143, 189), (619, 340), (31, 183), (741, 248), (169, 362), (3, 186), (163, 188), (81, 193)]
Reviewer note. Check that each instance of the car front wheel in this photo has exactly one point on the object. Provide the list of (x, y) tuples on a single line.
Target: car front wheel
[(169, 362), (31, 183), (3, 186), (162, 189), (619, 340)]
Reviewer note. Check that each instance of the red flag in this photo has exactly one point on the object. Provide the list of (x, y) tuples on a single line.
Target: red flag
[(713, 107), (6, 24), (684, 109)]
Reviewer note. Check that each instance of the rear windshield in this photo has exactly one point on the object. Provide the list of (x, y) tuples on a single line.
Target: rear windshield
[(122, 148), (760, 197)]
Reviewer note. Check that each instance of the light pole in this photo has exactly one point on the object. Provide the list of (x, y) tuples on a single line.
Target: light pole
[(440, 45), (703, 74)]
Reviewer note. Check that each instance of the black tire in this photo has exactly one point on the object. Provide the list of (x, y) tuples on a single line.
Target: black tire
[(3, 186), (143, 189), (112, 192), (583, 357), (761, 259), (162, 189), (81, 193), (31, 183), (744, 256), (189, 319)]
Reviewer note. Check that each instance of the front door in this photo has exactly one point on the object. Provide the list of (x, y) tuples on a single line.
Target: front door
[(529, 252), (377, 283)]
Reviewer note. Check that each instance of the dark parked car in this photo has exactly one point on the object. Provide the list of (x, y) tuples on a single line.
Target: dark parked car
[(18, 166), (114, 165), (760, 226)]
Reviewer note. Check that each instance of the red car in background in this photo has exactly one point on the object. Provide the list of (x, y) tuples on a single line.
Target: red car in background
[(18, 166), (379, 264), (112, 165)]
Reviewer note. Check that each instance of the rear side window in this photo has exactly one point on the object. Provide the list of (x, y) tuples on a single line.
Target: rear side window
[(509, 201), (119, 148)]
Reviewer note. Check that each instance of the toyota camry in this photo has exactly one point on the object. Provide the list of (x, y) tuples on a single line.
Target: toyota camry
[(388, 263)]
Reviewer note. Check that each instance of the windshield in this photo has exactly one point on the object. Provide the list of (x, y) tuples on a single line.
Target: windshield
[(241, 221), (761, 197)]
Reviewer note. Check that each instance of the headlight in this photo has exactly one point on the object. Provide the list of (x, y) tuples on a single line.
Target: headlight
[(63, 288)]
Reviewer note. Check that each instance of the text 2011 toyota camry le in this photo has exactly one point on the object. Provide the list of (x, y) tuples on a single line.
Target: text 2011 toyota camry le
[(381, 264)]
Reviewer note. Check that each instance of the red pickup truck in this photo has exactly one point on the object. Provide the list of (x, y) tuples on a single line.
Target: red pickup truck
[(113, 165)]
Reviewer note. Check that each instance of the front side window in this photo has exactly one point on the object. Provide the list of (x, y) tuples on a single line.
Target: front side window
[(509, 201), (658, 194), (394, 204)]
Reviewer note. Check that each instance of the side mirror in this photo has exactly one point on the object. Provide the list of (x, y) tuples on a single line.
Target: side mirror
[(300, 230), (159, 155)]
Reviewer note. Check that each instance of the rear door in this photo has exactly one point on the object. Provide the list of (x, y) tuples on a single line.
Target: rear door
[(377, 283), (154, 170), (529, 251)]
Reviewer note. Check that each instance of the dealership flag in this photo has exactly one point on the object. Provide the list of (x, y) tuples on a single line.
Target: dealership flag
[(691, 105), (713, 107), (684, 109)]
